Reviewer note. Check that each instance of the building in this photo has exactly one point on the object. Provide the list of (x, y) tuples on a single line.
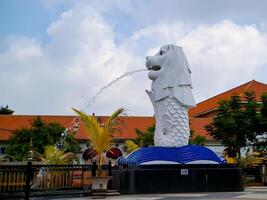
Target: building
[(9, 123), (200, 116)]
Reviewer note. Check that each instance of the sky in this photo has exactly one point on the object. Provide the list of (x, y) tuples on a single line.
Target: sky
[(57, 54)]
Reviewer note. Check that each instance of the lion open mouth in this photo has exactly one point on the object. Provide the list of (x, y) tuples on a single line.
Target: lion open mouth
[(154, 68)]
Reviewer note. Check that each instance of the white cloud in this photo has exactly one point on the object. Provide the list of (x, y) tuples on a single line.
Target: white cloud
[(24, 48), (224, 54), (80, 58), (83, 55)]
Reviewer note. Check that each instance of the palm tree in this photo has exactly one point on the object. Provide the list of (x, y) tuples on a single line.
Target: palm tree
[(130, 146), (53, 155), (5, 110), (101, 135)]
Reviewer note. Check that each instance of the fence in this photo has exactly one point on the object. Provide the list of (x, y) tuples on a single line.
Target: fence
[(39, 180), (254, 174)]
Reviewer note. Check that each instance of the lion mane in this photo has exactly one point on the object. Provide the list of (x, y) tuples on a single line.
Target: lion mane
[(174, 75)]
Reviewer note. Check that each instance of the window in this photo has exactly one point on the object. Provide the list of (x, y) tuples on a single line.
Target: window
[(2, 150)]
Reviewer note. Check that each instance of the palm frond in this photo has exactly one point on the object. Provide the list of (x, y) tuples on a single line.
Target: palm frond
[(113, 123), (101, 137), (52, 154), (93, 129), (131, 146), (67, 158)]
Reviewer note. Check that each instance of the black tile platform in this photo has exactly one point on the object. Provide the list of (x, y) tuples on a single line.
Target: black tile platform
[(177, 178)]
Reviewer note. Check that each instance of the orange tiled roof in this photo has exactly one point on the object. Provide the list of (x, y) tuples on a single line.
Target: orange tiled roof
[(129, 124), (198, 126), (212, 103), (9, 123)]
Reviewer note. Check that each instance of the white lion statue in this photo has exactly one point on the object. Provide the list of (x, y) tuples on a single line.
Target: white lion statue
[(171, 95)]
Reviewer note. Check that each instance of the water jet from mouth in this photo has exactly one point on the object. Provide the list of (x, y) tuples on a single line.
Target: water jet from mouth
[(101, 90)]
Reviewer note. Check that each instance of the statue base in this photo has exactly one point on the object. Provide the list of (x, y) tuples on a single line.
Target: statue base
[(149, 179), (188, 168), (189, 154)]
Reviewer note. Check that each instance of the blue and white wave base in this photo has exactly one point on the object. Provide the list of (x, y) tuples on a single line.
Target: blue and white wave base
[(189, 154)]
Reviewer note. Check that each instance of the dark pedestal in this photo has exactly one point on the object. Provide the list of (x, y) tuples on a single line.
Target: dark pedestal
[(178, 178)]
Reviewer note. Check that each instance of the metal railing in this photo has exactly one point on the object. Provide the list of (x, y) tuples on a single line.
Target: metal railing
[(12, 178), (39, 180)]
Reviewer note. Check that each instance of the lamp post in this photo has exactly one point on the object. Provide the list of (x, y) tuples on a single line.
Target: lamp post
[(76, 125), (30, 152)]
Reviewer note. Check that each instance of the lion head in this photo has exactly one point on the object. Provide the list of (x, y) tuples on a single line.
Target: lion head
[(170, 73)]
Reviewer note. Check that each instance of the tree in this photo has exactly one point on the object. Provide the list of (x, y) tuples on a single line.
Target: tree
[(252, 116), (264, 112), (261, 144), (101, 134), (68, 143), (5, 110), (198, 140), (146, 138), (130, 146), (53, 155), (143, 139), (237, 123), (40, 135)]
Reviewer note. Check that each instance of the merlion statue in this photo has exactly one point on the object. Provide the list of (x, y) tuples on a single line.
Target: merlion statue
[(171, 95)]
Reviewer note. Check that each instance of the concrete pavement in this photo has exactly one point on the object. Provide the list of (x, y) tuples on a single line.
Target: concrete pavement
[(251, 193)]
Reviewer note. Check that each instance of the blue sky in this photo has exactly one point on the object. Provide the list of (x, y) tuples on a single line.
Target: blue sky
[(25, 17), (28, 17), (56, 54)]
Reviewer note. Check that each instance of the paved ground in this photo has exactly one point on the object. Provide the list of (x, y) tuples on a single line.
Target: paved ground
[(251, 193)]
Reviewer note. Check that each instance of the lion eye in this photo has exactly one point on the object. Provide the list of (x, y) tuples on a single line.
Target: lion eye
[(161, 52)]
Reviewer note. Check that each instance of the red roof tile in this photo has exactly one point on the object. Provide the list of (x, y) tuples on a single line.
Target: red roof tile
[(129, 124), (198, 126), (212, 103), (9, 123)]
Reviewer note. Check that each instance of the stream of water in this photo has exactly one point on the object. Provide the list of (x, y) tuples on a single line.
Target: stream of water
[(101, 90)]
